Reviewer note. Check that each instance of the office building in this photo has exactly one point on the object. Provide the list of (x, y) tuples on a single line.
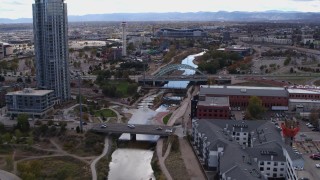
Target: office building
[(213, 108), (181, 33), (50, 25), (36, 103)]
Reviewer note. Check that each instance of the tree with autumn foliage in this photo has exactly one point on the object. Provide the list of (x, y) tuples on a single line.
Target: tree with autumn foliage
[(255, 108)]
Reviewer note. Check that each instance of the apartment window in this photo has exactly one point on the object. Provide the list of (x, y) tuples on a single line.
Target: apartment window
[(268, 163), (281, 169), (274, 175), (261, 168), (275, 169), (268, 168), (261, 163), (282, 163), (275, 163)]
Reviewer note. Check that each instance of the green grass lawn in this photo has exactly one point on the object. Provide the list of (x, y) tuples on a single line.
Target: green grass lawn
[(166, 118), (122, 87), (105, 113), (58, 168)]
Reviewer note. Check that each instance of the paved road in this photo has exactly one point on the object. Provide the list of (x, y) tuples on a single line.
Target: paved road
[(4, 175), (138, 129), (94, 162), (309, 165)]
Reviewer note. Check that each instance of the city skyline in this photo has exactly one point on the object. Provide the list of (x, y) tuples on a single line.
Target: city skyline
[(14, 9)]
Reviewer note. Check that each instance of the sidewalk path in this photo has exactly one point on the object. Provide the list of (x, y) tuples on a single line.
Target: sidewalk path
[(190, 160), (163, 158), (4, 175), (94, 162)]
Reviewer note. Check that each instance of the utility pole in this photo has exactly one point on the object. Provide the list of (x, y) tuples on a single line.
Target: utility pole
[(80, 102), (144, 73)]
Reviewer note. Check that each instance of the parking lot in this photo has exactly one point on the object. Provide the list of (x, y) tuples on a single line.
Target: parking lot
[(307, 148)]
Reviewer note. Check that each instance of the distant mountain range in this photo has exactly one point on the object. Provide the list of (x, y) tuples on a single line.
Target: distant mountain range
[(190, 16)]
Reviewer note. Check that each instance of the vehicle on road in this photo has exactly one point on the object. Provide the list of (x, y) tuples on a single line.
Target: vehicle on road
[(159, 128), (103, 126), (131, 126), (168, 130), (318, 165)]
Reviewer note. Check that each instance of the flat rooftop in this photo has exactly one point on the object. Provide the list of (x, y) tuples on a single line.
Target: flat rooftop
[(215, 101), (243, 91), (30, 92), (303, 91)]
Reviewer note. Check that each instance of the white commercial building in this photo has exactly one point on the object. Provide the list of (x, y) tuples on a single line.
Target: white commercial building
[(29, 101)]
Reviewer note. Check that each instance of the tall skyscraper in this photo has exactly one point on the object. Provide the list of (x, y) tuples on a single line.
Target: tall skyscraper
[(124, 39), (50, 28)]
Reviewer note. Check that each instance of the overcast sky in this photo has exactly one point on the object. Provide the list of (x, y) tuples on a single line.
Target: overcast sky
[(23, 8)]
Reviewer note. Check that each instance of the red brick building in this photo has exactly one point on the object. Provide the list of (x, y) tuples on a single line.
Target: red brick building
[(213, 108), (239, 95)]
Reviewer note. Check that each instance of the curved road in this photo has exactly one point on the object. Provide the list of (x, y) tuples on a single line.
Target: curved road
[(94, 162)]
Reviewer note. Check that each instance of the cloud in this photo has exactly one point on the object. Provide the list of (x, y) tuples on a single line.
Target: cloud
[(17, 2), (305, 0), (6, 10)]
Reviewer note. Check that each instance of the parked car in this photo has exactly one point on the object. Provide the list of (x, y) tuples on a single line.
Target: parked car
[(103, 126), (315, 156), (310, 126), (318, 165), (315, 129), (168, 130)]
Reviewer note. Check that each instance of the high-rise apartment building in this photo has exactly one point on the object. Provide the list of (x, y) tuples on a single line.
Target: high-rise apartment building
[(124, 39), (50, 26)]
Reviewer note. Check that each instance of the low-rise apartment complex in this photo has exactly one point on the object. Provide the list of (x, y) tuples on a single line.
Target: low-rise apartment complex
[(244, 150)]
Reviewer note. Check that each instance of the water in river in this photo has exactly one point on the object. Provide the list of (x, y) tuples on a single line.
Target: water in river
[(188, 61), (135, 164)]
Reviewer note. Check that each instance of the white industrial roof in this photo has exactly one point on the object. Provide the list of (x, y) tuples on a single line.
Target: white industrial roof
[(30, 92), (304, 91)]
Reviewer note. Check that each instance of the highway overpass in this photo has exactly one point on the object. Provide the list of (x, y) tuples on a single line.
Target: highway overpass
[(118, 128)]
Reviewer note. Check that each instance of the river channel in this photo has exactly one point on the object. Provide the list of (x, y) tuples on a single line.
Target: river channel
[(135, 164)]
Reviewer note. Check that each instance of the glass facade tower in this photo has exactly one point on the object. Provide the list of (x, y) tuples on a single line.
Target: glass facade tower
[(50, 28)]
